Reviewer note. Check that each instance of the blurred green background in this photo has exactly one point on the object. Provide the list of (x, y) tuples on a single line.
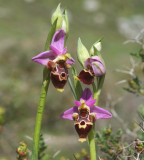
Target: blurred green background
[(24, 25)]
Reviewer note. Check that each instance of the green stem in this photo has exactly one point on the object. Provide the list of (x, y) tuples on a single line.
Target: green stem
[(91, 140), (96, 93), (72, 88), (39, 115), (91, 136)]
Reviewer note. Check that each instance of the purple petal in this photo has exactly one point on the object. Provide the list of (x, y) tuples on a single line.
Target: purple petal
[(90, 102), (70, 61), (68, 113), (64, 50), (101, 113), (44, 57), (98, 68), (77, 103), (87, 95), (58, 41), (96, 64), (92, 59), (55, 50)]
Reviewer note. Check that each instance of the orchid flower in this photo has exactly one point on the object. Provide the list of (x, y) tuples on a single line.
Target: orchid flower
[(84, 114), (56, 60), (93, 67)]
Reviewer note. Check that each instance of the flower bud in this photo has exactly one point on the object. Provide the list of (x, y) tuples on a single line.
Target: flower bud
[(77, 156), (57, 15), (139, 146), (65, 23), (22, 150), (84, 152)]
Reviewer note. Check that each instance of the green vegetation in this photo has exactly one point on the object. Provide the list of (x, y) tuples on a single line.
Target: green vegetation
[(24, 26)]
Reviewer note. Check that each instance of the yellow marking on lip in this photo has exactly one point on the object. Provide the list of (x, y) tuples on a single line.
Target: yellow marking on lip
[(82, 126), (82, 140), (60, 90)]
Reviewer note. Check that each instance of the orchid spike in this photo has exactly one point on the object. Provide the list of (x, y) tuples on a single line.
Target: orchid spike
[(56, 60), (85, 113)]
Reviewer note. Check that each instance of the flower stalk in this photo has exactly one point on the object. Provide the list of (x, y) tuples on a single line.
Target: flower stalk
[(44, 89), (91, 140), (91, 135)]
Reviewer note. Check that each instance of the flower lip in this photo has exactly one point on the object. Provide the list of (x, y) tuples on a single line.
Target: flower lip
[(83, 128), (86, 76), (59, 74)]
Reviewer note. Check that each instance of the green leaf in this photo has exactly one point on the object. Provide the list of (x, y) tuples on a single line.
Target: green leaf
[(42, 148), (129, 90), (82, 53), (46, 157), (134, 83), (57, 15), (77, 84), (65, 23), (50, 35), (135, 55), (98, 46), (141, 54)]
